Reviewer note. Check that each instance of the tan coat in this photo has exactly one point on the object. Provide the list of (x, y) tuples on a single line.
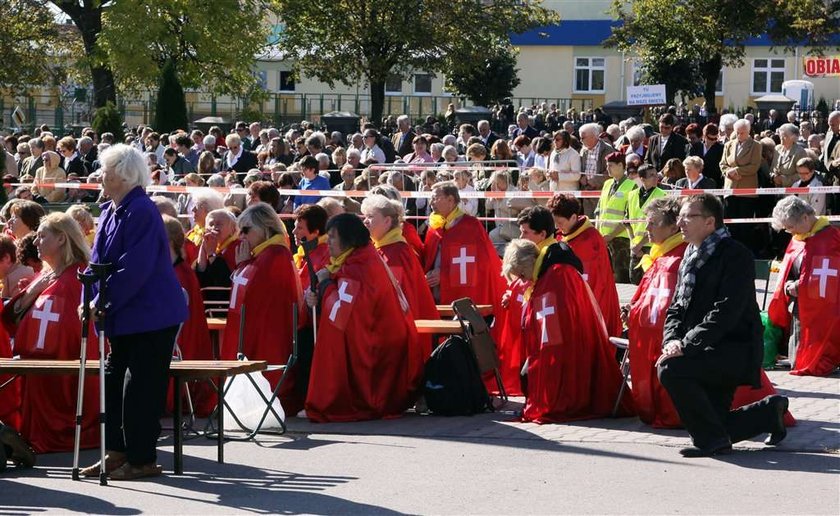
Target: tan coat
[(746, 163), (55, 175), (784, 164)]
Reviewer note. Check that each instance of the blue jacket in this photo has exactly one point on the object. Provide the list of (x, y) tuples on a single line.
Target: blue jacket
[(143, 293), (319, 182)]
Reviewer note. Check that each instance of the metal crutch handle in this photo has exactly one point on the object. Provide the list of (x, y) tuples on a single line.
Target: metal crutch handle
[(102, 271)]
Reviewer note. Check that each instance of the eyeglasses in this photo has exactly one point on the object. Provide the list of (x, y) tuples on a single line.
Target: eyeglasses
[(689, 216), (245, 229)]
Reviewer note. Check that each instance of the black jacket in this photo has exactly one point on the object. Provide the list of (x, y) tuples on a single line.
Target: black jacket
[(723, 313), (711, 161), (675, 147), (706, 183)]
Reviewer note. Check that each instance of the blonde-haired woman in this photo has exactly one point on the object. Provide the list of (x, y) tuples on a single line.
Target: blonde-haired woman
[(44, 321), (51, 172)]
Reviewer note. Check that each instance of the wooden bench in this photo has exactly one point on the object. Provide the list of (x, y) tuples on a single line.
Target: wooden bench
[(180, 370), (447, 311)]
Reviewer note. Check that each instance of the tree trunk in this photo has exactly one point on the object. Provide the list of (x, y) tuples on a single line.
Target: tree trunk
[(89, 21), (377, 101), (711, 71)]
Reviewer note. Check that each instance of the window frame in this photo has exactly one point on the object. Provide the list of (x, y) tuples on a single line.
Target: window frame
[(280, 88), (590, 68), (768, 69), (393, 92), (431, 77)]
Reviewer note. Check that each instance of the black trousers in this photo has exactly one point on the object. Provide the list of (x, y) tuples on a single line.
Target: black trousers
[(743, 208), (136, 379), (702, 388)]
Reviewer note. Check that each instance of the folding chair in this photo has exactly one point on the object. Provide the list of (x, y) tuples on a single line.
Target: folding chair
[(624, 344), (477, 333), (216, 307), (292, 360), (762, 273)]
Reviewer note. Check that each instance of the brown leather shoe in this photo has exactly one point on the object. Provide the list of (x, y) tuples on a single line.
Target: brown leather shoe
[(129, 472), (113, 460)]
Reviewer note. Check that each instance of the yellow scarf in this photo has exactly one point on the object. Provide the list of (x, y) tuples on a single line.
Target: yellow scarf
[(220, 248), (196, 234), (391, 237), (299, 255), (89, 237), (819, 225), (543, 247), (437, 221), (657, 250), (338, 261), (277, 239), (583, 227)]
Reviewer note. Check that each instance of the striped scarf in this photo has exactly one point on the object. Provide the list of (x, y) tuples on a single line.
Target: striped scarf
[(695, 258)]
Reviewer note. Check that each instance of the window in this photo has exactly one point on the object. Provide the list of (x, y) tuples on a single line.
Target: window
[(637, 72), (589, 75), (262, 79), (719, 84), (767, 76), (393, 86), (287, 81), (423, 83)]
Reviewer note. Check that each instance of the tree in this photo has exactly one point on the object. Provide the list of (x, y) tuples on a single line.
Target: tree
[(351, 41), (712, 33), (107, 119), (488, 80), (35, 48), (171, 106)]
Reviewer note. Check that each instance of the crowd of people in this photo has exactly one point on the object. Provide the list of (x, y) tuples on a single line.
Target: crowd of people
[(360, 270)]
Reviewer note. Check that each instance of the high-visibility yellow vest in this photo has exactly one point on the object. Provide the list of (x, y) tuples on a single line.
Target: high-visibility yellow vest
[(613, 207), (637, 212)]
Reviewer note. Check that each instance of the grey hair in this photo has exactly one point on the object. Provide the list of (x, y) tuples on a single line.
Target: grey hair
[(501, 174), (231, 139), (354, 152), (449, 139), (789, 129), (447, 188), (694, 161), (635, 133), (402, 118), (437, 147), (225, 214), (591, 127), (165, 205), (386, 190), (728, 120), (449, 149), (790, 210), (332, 205), (322, 158), (832, 115), (743, 122), (386, 207), (263, 216), (128, 163), (210, 199), (668, 209), (520, 259), (216, 180)]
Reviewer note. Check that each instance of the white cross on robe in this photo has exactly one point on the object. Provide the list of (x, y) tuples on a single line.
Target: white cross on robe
[(541, 316), (461, 261), (658, 294), (239, 280), (520, 299), (45, 316), (824, 272), (343, 297)]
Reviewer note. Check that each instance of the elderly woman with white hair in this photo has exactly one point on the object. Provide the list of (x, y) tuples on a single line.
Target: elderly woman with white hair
[(203, 202), (50, 172), (810, 280), (383, 217), (143, 308), (739, 165), (788, 154), (570, 372), (237, 159)]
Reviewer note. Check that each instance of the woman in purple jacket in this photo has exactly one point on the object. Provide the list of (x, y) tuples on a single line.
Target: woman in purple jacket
[(144, 307)]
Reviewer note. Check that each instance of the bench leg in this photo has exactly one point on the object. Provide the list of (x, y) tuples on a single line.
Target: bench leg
[(179, 436), (220, 417)]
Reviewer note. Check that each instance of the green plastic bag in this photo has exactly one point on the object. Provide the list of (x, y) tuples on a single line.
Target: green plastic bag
[(772, 337)]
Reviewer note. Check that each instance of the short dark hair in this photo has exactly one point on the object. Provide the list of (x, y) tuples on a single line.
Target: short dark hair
[(309, 162), (184, 141), (26, 250), (266, 192), (350, 229), (7, 247), (645, 170), (565, 205), (170, 152), (29, 212), (694, 129), (668, 119), (538, 219), (315, 217), (710, 206)]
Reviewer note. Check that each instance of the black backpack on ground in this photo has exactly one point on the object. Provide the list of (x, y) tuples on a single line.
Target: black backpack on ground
[(453, 383)]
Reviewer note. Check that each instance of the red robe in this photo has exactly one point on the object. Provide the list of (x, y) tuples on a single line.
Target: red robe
[(267, 285), (589, 246), (818, 353), (469, 264), (190, 252), (413, 238), (194, 341), (646, 323), (405, 265), (368, 360), (51, 329), (511, 351), (572, 372), (10, 395), (320, 257)]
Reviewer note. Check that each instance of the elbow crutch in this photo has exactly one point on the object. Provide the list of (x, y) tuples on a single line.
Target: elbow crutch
[(87, 281), (101, 271)]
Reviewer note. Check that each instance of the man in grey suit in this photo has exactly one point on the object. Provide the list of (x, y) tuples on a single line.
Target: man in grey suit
[(593, 162), (666, 145)]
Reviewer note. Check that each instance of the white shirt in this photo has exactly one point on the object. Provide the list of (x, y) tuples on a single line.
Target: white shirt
[(693, 185), (567, 163), (375, 153)]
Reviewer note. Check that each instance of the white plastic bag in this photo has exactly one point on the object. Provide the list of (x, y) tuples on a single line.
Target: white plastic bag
[(243, 399)]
